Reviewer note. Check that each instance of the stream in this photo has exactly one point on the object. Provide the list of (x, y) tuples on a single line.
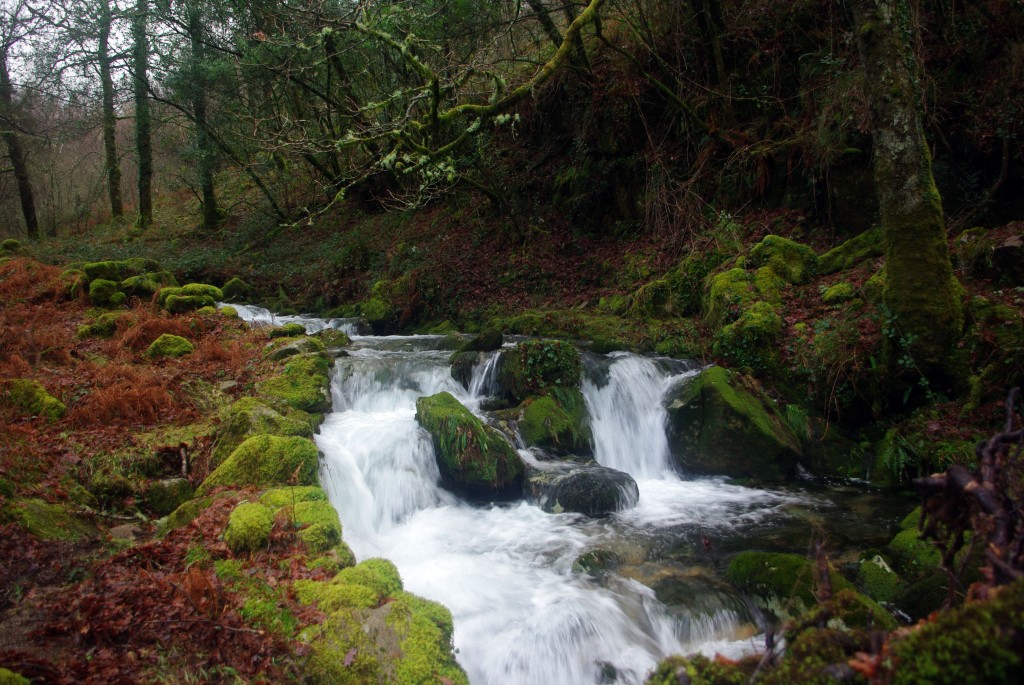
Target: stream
[(505, 570)]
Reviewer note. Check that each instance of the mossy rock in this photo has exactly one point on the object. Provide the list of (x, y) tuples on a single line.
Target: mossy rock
[(317, 523), (30, 398), (879, 581), (749, 341), (849, 254), (190, 510), (104, 326), (916, 554), (874, 287), (333, 338), (284, 497), (10, 677), (794, 262), (179, 304), (250, 416), (785, 585), (471, 456), (162, 497), (266, 460), (289, 347), (538, 366), (656, 299), (462, 364), (557, 422), (721, 424), (596, 562), (104, 293), (168, 345), (144, 286), (289, 330), (424, 632), (13, 248), (248, 527), (48, 521), (488, 340), (73, 283), (840, 292), (303, 384), (235, 290), (119, 270), (228, 312), (729, 294)]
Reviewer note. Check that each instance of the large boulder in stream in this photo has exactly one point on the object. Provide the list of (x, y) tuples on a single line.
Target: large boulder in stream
[(557, 423), (588, 489), (473, 458), (536, 367), (721, 424)]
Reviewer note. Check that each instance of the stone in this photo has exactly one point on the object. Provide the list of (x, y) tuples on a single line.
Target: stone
[(588, 489)]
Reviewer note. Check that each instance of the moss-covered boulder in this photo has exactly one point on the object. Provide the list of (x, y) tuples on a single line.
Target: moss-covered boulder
[(535, 367), (146, 285), (840, 292), (729, 294), (169, 345), (266, 460), (785, 584), (288, 330), (248, 527), (794, 262), (879, 581), (557, 422), (235, 290), (852, 252), (248, 417), (13, 248), (103, 326), (333, 338), (488, 340), (315, 521), (161, 497), (721, 424), (473, 458), (10, 677), (749, 341), (188, 297), (291, 347), (104, 293), (276, 498), (48, 521), (304, 384), (118, 270), (30, 398)]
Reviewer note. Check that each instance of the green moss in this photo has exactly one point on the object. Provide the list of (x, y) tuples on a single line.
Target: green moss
[(470, 455), (424, 631), (792, 261), (146, 285), (916, 554), (48, 521), (162, 497), (104, 293), (840, 292), (380, 575), (179, 304), (250, 416), (852, 252), (283, 497), (206, 311), (343, 653), (333, 338), (785, 583), (333, 596), (31, 399), (557, 422), (266, 460), (720, 423), (10, 677), (73, 283), (488, 340), (979, 643), (317, 522), (168, 345), (104, 326), (235, 290), (729, 294), (248, 527), (289, 330), (749, 340), (536, 366), (874, 286), (879, 581), (228, 312), (698, 670), (118, 270), (303, 384), (654, 299)]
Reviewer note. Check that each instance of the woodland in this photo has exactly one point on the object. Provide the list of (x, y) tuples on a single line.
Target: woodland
[(822, 197)]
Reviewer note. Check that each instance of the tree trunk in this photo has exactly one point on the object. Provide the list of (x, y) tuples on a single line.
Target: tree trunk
[(921, 295), (15, 152), (113, 167), (204, 143), (143, 122)]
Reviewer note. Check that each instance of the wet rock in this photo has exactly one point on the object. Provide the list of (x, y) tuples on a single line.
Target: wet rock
[(588, 489)]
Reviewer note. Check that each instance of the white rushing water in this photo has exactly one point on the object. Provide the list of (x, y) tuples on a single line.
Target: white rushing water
[(521, 614)]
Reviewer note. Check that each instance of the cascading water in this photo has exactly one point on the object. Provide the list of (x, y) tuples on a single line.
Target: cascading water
[(522, 615)]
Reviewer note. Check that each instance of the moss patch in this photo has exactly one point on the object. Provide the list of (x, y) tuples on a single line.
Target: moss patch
[(31, 399), (168, 345), (317, 522), (852, 252), (536, 366), (48, 521), (303, 384), (792, 261), (557, 422), (104, 293), (247, 417), (248, 527), (266, 460)]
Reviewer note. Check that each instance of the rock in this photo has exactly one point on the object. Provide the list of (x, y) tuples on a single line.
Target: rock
[(104, 293), (146, 285), (472, 457), (1008, 260), (557, 423), (487, 340), (852, 252), (289, 330), (535, 366), (303, 345), (188, 297), (127, 531), (316, 521), (596, 562), (792, 261), (248, 528), (463, 364), (168, 345), (840, 292), (717, 426), (31, 399), (333, 338), (104, 326), (119, 270), (304, 384), (588, 489), (879, 581), (266, 460), (224, 386), (13, 248), (179, 304), (48, 521), (235, 290), (164, 496)]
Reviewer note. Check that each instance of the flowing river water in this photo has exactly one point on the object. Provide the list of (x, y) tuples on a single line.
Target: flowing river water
[(522, 613)]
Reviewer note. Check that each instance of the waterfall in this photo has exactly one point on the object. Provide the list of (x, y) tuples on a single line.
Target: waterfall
[(521, 612)]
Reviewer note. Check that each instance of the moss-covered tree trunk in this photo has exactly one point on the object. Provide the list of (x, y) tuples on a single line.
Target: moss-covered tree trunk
[(15, 151), (921, 294), (143, 121), (113, 166), (204, 142)]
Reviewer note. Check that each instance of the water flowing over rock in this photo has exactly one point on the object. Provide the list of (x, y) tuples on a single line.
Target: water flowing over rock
[(588, 489)]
